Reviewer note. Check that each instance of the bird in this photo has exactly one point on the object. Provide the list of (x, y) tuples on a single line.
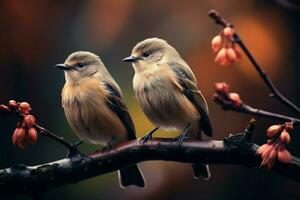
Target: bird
[(166, 90), (94, 107)]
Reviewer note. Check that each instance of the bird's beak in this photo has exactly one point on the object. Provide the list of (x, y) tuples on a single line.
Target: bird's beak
[(63, 67), (131, 59)]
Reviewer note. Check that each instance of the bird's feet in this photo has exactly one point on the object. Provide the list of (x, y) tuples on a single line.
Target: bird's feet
[(180, 139), (109, 145), (107, 148), (148, 136), (73, 150)]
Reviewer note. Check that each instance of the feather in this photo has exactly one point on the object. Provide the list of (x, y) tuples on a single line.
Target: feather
[(115, 102), (191, 91)]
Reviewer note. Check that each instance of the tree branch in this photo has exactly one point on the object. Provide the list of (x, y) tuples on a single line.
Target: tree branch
[(236, 149), (15, 112), (236, 38), (72, 148), (244, 108)]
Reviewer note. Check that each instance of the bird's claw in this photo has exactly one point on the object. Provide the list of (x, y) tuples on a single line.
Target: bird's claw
[(144, 139), (72, 151), (180, 139), (109, 145), (107, 148), (148, 136)]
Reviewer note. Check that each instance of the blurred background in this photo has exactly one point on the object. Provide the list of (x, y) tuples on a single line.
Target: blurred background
[(36, 35)]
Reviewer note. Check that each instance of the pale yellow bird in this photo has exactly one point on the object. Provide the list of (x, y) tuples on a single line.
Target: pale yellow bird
[(166, 90), (94, 107)]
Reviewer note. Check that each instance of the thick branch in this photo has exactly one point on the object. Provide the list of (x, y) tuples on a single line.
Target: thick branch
[(236, 38), (233, 150)]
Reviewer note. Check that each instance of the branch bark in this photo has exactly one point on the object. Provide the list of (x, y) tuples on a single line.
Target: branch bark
[(236, 149)]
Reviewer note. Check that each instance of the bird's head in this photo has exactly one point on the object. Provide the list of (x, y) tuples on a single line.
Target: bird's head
[(80, 65), (150, 53)]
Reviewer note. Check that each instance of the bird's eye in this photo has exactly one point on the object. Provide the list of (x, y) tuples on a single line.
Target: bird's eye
[(81, 64), (146, 54)]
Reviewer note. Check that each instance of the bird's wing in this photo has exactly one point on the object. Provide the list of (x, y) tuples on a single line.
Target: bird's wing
[(184, 69), (115, 102), (192, 92)]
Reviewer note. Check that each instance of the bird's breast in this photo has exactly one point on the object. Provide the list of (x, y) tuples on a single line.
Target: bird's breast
[(163, 102), (88, 114)]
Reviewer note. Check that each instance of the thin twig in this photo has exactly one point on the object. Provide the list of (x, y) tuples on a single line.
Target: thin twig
[(236, 38), (244, 108), (70, 146)]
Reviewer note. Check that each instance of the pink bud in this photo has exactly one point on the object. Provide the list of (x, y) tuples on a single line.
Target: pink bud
[(284, 156), (235, 98), (226, 62), (273, 130), (221, 56), (263, 148), (216, 43), (24, 107), (29, 120), (289, 126), (15, 135), (32, 135), (272, 158), (230, 53), (238, 52), (267, 151), (222, 88), (4, 108), (264, 161), (228, 31), (18, 137), (285, 137), (12, 104)]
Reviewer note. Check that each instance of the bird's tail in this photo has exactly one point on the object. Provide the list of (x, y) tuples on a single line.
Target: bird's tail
[(131, 175), (201, 170)]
